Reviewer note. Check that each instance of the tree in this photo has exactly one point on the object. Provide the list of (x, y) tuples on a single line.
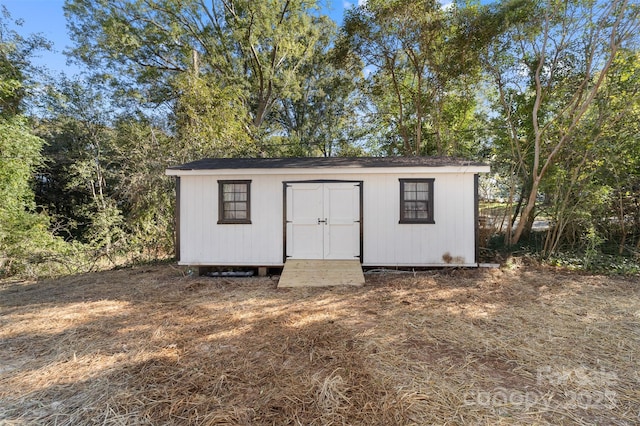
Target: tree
[(81, 161), (104, 175), (552, 67), (210, 120), (24, 236), (249, 50), (143, 150), (323, 119), (616, 116), (424, 70), (16, 70)]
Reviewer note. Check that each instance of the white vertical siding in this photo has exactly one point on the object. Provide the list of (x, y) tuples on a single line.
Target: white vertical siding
[(203, 241), (450, 239), (386, 242)]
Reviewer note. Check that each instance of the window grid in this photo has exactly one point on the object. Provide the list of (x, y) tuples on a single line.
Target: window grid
[(234, 201), (416, 201)]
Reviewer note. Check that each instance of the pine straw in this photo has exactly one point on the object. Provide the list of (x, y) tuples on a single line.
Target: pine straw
[(150, 346)]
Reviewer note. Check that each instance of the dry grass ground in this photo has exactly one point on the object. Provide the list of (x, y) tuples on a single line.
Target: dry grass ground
[(151, 346)]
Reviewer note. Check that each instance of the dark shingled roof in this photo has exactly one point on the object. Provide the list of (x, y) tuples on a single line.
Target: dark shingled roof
[(323, 162)]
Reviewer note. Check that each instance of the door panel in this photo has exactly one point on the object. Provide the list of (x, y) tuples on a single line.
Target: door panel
[(304, 234), (342, 230), (323, 220)]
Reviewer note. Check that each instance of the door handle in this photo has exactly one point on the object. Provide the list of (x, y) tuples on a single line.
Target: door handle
[(322, 221)]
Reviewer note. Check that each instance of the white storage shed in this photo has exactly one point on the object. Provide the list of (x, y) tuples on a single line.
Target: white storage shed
[(384, 211)]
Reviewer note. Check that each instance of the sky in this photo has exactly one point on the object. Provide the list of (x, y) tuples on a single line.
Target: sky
[(47, 18)]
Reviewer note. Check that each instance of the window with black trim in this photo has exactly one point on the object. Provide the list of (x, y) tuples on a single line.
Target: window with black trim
[(416, 201), (234, 201)]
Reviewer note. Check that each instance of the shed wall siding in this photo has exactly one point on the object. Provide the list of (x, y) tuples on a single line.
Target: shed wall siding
[(389, 243), (386, 242), (203, 241)]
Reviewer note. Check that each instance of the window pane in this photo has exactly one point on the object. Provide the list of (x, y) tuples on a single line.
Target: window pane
[(234, 187), (422, 186), (422, 211), (409, 214), (235, 206), (411, 186), (409, 209), (422, 196)]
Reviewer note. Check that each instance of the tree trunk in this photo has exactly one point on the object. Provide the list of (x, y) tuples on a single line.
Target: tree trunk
[(528, 210), (623, 228), (403, 130), (419, 116), (518, 208)]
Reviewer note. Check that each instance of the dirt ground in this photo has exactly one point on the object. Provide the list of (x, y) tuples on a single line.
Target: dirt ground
[(149, 345)]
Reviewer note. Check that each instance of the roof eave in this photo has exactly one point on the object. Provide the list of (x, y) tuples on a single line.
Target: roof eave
[(471, 168)]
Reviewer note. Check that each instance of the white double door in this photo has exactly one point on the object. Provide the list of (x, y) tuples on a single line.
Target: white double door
[(323, 220)]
